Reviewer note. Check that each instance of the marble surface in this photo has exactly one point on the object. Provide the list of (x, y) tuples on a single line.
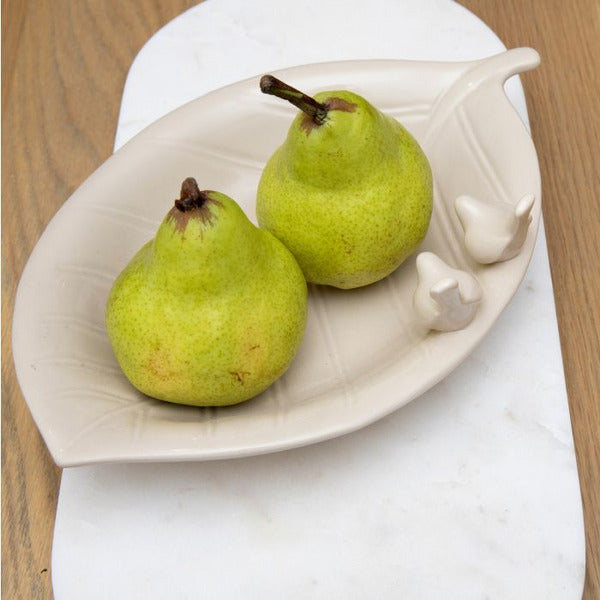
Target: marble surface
[(470, 491)]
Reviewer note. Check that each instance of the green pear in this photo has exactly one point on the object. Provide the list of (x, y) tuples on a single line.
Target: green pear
[(212, 310), (349, 191)]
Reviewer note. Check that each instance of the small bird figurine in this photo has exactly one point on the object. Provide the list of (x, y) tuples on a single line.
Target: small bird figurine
[(494, 231), (446, 299)]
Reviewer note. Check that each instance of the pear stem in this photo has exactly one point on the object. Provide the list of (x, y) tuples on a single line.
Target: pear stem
[(190, 196), (275, 87)]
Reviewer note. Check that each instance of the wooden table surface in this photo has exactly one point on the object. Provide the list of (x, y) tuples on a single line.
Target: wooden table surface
[(64, 64)]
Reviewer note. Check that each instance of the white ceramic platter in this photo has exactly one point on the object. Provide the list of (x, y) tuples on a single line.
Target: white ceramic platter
[(364, 355)]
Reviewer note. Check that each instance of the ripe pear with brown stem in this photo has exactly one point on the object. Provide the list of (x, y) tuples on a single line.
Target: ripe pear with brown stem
[(349, 191), (212, 310)]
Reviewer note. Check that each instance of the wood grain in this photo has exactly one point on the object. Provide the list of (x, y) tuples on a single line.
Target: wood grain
[(64, 65), (564, 110)]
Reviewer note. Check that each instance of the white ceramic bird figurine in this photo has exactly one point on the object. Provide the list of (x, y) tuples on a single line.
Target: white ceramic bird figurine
[(494, 231), (446, 299)]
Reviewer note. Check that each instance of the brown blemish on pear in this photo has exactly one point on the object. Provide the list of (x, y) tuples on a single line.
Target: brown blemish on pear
[(340, 104), (347, 245), (158, 364), (239, 376)]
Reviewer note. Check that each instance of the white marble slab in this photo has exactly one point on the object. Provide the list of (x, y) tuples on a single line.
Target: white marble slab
[(469, 492)]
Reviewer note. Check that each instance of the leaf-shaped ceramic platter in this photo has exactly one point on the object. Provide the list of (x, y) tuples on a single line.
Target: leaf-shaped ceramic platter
[(365, 353)]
